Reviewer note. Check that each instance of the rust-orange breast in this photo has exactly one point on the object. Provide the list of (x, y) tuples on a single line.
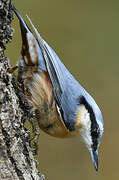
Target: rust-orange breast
[(39, 91)]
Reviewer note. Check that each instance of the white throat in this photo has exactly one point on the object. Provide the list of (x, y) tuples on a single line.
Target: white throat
[(85, 128)]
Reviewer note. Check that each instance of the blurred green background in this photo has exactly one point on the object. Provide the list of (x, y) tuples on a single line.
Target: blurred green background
[(85, 34)]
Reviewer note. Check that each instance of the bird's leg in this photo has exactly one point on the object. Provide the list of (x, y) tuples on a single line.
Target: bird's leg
[(12, 69)]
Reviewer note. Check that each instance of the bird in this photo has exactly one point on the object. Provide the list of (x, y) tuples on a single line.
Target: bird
[(63, 107)]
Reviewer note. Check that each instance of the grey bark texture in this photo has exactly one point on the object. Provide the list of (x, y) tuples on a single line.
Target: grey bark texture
[(16, 158)]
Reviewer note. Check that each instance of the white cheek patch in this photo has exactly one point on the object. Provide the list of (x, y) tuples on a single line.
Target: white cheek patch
[(85, 127), (32, 48)]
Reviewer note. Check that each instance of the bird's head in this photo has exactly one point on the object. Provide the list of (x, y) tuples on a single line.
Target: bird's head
[(91, 126)]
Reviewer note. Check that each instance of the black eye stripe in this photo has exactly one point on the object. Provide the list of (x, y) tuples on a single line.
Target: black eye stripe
[(94, 126)]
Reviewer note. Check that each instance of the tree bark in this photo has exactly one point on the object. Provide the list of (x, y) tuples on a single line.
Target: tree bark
[(16, 158)]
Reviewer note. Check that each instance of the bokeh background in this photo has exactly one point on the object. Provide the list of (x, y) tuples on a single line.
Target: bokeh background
[(85, 34)]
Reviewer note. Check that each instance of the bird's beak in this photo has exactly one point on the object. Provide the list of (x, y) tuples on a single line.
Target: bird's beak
[(94, 156)]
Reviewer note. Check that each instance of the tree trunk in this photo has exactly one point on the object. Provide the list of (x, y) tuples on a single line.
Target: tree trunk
[(16, 158)]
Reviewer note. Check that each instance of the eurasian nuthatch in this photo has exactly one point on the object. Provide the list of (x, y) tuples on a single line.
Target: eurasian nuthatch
[(63, 107)]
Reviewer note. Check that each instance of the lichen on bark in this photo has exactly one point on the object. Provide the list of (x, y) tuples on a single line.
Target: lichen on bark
[(16, 158)]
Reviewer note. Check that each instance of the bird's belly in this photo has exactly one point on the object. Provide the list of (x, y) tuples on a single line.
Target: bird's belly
[(40, 93), (51, 123)]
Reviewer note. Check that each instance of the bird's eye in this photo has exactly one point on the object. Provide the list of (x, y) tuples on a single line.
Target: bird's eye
[(94, 134)]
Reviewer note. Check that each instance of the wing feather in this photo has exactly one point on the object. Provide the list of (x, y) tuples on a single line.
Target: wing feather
[(53, 67)]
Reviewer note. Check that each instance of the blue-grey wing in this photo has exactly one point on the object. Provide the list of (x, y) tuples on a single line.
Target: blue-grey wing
[(52, 63), (61, 79)]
